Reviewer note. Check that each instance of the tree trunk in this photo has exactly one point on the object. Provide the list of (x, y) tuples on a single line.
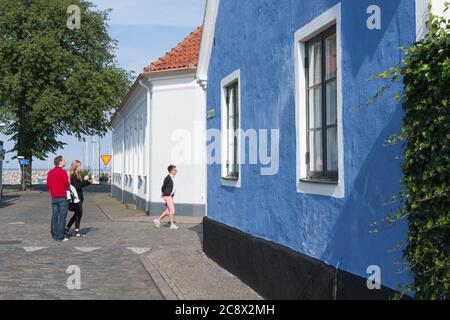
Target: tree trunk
[(26, 182), (29, 176)]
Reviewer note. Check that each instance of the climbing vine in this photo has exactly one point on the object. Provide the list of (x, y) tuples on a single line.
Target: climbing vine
[(425, 200)]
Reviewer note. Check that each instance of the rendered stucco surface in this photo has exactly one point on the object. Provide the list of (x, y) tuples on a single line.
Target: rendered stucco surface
[(257, 37)]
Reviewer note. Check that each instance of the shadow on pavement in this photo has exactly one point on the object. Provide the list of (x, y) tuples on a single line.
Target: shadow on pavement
[(8, 200), (88, 230), (198, 229)]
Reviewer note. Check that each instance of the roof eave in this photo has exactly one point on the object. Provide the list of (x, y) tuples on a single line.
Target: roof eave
[(169, 71), (207, 39)]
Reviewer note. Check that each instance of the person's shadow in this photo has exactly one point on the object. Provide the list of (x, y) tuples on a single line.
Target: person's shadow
[(86, 231)]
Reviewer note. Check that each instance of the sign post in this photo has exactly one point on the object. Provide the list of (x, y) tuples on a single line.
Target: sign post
[(106, 160), (23, 162)]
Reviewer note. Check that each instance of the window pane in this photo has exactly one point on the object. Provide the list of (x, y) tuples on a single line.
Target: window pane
[(331, 103), (332, 149), (236, 100), (315, 151), (230, 159), (315, 70), (230, 102), (315, 108), (235, 156), (331, 57), (232, 124)]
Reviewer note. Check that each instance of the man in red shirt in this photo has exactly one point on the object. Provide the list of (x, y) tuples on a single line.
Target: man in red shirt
[(58, 184)]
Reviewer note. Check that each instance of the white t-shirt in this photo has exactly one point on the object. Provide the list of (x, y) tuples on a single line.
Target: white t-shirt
[(173, 180)]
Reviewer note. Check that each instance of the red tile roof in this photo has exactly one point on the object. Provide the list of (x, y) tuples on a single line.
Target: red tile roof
[(183, 56)]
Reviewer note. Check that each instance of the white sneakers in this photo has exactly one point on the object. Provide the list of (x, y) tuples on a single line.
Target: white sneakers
[(157, 224)]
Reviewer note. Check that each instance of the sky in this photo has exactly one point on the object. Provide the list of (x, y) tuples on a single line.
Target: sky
[(145, 30)]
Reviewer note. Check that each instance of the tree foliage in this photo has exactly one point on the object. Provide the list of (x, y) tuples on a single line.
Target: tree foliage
[(425, 97), (55, 80)]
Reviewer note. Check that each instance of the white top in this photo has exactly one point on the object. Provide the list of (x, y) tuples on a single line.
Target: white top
[(76, 199), (173, 180)]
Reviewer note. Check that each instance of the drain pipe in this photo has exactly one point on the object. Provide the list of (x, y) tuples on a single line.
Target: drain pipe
[(112, 166), (122, 186), (149, 88)]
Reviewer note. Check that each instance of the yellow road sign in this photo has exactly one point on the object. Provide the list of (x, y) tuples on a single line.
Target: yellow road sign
[(106, 159)]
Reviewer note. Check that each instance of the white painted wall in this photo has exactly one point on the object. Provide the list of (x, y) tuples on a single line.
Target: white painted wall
[(163, 122), (437, 8), (178, 130), (129, 145)]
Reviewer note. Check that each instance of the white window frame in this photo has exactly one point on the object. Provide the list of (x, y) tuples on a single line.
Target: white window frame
[(323, 22), (228, 80)]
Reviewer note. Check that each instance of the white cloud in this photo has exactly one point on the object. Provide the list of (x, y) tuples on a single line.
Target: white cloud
[(173, 13)]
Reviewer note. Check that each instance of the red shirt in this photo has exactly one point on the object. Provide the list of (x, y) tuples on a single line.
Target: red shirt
[(58, 183)]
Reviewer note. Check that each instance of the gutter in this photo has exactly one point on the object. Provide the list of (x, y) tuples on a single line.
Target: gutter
[(149, 88)]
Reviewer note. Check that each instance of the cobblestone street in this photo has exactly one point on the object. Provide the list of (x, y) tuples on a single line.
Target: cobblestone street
[(121, 257), (32, 266)]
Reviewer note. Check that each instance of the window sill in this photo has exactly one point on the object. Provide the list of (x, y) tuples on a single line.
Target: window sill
[(230, 178), (320, 181)]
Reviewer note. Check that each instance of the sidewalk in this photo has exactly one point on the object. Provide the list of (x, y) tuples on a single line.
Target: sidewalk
[(117, 212), (181, 270)]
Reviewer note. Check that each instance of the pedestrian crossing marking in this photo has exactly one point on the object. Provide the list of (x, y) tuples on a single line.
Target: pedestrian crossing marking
[(16, 223), (138, 250), (33, 249), (135, 250), (86, 249)]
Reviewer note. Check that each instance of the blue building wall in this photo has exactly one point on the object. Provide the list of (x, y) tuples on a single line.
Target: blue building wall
[(257, 37)]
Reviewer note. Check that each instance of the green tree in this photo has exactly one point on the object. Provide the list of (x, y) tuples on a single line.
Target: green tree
[(425, 200), (55, 79)]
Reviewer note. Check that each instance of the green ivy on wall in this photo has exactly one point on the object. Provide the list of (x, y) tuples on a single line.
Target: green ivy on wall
[(425, 199)]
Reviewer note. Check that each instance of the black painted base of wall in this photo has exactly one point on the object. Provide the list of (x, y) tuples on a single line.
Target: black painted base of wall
[(182, 209), (154, 208), (278, 272)]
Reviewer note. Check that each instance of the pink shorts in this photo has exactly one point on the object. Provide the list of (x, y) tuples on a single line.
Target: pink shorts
[(169, 205)]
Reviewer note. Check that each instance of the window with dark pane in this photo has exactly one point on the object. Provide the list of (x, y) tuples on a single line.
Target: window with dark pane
[(321, 76), (232, 102)]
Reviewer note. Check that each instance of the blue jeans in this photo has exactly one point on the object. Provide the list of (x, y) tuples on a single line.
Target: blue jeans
[(59, 216)]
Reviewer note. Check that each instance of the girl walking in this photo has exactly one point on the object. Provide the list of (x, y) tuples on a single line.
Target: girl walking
[(78, 183), (168, 193)]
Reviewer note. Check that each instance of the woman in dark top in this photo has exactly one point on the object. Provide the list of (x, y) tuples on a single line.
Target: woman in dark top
[(79, 184)]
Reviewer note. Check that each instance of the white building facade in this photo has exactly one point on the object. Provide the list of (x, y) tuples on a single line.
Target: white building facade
[(162, 122)]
